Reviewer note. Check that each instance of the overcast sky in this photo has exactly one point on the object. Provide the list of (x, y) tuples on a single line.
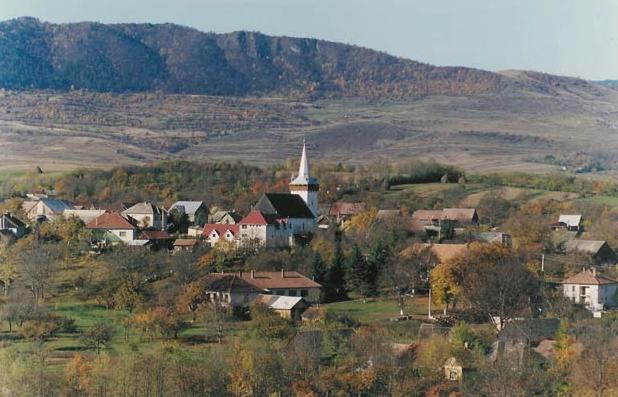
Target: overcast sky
[(568, 37)]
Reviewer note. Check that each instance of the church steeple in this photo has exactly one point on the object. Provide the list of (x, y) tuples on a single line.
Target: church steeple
[(303, 169), (304, 184)]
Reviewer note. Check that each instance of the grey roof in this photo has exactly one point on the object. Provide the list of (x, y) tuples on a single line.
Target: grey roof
[(284, 205), (570, 220), (280, 302), (56, 206), (189, 207), (530, 330), (86, 216), (590, 247), (142, 208), (218, 216)]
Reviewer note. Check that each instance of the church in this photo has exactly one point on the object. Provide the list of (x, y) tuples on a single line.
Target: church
[(284, 219)]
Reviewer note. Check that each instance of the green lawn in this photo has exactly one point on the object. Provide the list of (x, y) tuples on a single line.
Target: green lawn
[(380, 309)]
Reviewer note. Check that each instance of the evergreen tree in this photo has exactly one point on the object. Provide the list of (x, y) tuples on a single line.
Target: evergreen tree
[(336, 277), (317, 269)]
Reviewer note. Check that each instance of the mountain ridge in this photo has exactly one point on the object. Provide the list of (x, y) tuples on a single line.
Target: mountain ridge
[(132, 57)]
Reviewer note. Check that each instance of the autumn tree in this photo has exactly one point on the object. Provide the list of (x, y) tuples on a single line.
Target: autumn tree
[(495, 282), (97, 336), (594, 369), (35, 262)]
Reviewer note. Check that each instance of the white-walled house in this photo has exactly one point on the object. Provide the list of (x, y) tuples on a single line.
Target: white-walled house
[(213, 233), (45, 209), (147, 215), (266, 230), (593, 290), (110, 228)]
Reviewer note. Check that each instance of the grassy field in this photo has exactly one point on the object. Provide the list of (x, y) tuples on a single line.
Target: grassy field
[(380, 309)]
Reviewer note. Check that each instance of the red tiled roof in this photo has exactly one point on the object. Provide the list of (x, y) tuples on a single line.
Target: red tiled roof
[(154, 235), (343, 208), (443, 252), (256, 217), (588, 277), (110, 221), (185, 242), (275, 280), (220, 229)]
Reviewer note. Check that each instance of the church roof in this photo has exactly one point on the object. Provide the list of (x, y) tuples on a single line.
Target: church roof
[(284, 205)]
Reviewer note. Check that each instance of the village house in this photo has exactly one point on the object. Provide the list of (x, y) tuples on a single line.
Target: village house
[(224, 217), (443, 253), (289, 307), (599, 251), (284, 283), (501, 238), (526, 341), (185, 244), (228, 289), (111, 228), (12, 224), (85, 215), (45, 209), (213, 233), (342, 211), (147, 215), (196, 211), (387, 215), (432, 221), (592, 290), (159, 239), (571, 223)]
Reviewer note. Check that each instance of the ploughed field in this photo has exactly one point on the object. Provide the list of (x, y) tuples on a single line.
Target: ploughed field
[(491, 132)]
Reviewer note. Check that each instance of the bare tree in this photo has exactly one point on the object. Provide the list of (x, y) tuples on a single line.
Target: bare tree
[(35, 263)]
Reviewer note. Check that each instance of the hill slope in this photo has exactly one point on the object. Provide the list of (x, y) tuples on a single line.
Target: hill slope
[(176, 59)]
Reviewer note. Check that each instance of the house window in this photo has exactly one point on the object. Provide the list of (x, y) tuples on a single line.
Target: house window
[(452, 375), (291, 292), (304, 293), (243, 226), (122, 234)]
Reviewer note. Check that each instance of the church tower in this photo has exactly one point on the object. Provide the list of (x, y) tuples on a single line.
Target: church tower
[(305, 185)]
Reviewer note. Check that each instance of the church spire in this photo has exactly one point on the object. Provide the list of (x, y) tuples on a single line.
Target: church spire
[(303, 169), (304, 184)]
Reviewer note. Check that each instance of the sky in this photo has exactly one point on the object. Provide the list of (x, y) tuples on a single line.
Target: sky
[(567, 37)]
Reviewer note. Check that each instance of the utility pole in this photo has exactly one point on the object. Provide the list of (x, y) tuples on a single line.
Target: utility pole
[(543, 263), (429, 312)]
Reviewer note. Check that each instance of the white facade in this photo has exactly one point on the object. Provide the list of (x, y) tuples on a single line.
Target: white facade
[(271, 236), (595, 297)]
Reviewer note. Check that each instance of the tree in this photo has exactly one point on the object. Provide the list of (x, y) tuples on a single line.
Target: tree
[(444, 286), (317, 269), (495, 281), (35, 263), (335, 277), (178, 221), (270, 325), (97, 336), (7, 269), (594, 370), (405, 273)]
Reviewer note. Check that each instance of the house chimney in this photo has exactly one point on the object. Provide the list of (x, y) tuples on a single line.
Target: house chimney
[(282, 273), (594, 271), (252, 273)]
